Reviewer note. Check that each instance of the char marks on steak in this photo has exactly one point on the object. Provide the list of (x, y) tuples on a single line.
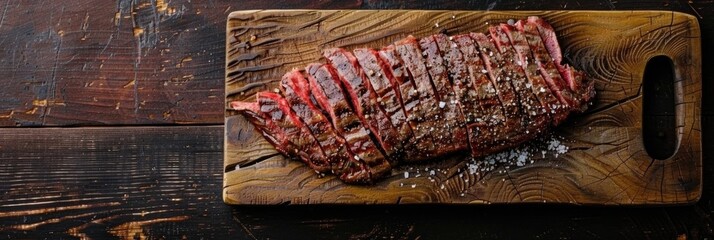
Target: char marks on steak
[(364, 111), (489, 118), (556, 111), (384, 84), (332, 97), (406, 90), (452, 117), (432, 132), (286, 129), (533, 116), (296, 90), (547, 67), (583, 90), (364, 100)]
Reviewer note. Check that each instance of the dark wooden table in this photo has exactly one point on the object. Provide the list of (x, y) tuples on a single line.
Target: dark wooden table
[(112, 113)]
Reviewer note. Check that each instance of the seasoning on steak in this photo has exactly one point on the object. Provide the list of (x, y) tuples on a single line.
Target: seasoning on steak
[(453, 118), (488, 119), (364, 100), (406, 91), (418, 99), (330, 95), (432, 136), (547, 67), (556, 111), (383, 82), (533, 118), (583, 90), (296, 89)]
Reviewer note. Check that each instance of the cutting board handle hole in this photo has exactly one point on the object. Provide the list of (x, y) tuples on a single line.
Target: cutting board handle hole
[(658, 108)]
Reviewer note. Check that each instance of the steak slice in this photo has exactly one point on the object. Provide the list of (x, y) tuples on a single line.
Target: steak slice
[(364, 100), (500, 71), (550, 104), (453, 117), (296, 89), (427, 119), (382, 81), (547, 67), (583, 90), (406, 90), (329, 94), (287, 129), (533, 115), (482, 108)]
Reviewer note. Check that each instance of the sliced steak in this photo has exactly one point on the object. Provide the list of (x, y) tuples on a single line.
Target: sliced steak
[(500, 71), (287, 129), (275, 136), (380, 76), (551, 105), (546, 65), (329, 94), (482, 108), (296, 90), (427, 118), (364, 100), (582, 89), (534, 118), (419, 99), (406, 90), (453, 117), (465, 94)]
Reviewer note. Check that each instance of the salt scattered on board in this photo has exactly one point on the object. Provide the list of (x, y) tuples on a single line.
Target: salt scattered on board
[(528, 153)]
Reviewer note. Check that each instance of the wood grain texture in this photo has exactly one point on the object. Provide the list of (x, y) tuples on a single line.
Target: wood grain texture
[(608, 164), (128, 183), (116, 62)]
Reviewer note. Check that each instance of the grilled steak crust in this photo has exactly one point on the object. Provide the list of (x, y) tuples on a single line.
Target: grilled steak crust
[(406, 90), (296, 89), (488, 121), (547, 67), (581, 88), (383, 82), (287, 129), (366, 110), (364, 100), (550, 105), (452, 117), (427, 120), (533, 117), (330, 95)]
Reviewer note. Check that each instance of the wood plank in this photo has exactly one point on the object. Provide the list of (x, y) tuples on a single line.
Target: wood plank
[(146, 182), (119, 62), (165, 182), (608, 163)]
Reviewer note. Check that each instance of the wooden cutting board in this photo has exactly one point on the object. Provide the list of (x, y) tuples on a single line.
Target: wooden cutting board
[(607, 163)]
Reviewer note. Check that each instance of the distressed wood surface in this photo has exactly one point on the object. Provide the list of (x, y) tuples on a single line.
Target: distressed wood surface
[(112, 183), (132, 62), (165, 183), (607, 164)]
